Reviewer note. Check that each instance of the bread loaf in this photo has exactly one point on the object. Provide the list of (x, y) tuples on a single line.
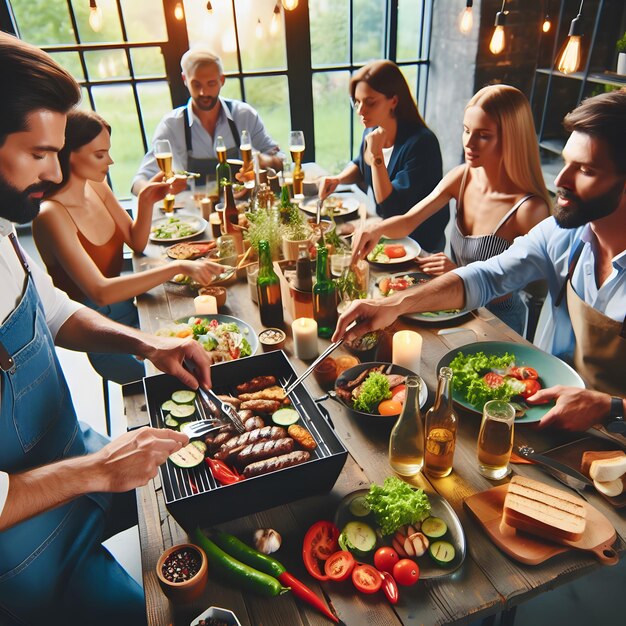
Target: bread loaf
[(607, 470), (539, 509), (592, 455)]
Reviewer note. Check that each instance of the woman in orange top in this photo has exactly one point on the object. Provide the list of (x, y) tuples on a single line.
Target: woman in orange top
[(81, 230)]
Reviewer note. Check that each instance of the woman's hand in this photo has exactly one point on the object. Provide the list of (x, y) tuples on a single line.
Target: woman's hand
[(328, 184), (157, 188), (374, 144), (435, 264), (364, 240), (202, 271)]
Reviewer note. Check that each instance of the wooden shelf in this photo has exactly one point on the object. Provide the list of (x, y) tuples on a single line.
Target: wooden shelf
[(602, 78)]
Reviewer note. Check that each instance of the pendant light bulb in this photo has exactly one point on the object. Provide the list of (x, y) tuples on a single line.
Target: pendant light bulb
[(259, 30), (497, 43), (547, 24), (571, 54), (209, 7), (275, 23), (289, 5), (179, 12), (467, 18), (95, 16)]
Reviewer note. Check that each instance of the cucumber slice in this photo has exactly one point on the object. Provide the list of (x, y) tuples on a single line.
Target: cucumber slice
[(184, 396), (359, 507), (200, 445), (359, 537), (167, 406), (442, 552), (183, 411), (189, 456), (285, 417), (434, 527), (170, 422)]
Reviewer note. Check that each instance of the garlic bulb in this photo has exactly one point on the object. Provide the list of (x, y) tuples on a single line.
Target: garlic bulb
[(267, 540)]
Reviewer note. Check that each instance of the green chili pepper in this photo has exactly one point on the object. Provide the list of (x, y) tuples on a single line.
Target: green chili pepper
[(232, 570)]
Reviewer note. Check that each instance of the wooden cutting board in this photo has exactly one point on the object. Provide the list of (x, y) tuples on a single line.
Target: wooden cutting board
[(486, 507)]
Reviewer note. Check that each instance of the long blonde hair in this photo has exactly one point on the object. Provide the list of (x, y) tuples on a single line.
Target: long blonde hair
[(510, 109)]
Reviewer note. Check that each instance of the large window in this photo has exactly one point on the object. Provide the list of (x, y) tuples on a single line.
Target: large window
[(293, 67)]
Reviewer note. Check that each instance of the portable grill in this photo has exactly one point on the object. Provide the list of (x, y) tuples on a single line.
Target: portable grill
[(193, 496)]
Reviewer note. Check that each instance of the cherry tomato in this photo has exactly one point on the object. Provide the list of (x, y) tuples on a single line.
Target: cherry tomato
[(384, 286), (395, 251), (493, 380), (524, 373), (399, 393), (319, 543), (399, 284), (385, 558), (406, 572), (366, 579), (338, 566), (390, 588), (390, 407), (532, 386)]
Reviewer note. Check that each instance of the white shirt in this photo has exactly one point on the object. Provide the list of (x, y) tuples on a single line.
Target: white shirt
[(57, 306)]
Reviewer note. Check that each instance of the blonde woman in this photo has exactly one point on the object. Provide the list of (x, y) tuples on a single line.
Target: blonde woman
[(499, 192)]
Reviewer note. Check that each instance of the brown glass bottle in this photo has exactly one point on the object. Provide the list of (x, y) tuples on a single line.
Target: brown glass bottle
[(222, 170), (304, 280), (231, 215), (440, 429), (324, 296), (268, 289)]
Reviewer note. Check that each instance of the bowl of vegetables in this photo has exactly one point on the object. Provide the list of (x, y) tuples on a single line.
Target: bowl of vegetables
[(375, 391)]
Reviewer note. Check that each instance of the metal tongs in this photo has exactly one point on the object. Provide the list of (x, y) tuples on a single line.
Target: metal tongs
[(317, 361), (211, 403)]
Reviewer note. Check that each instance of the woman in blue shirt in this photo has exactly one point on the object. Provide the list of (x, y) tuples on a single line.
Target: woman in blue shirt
[(399, 158)]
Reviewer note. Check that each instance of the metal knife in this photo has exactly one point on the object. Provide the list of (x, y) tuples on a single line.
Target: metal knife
[(560, 471)]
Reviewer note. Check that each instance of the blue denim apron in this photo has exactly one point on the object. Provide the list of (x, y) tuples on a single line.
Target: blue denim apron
[(53, 568)]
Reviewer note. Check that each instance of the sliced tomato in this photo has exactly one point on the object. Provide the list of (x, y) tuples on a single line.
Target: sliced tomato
[(524, 373), (338, 566), (399, 393), (493, 380), (532, 386), (395, 251), (390, 588), (319, 543), (366, 578)]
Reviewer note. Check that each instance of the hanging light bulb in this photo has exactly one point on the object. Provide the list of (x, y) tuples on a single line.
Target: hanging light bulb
[(95, 16), (259, 31), (547, 24), (569, 58), (466, 18), (496, 45), (275, 23), (179, 12), (289, 5), (209, 7)]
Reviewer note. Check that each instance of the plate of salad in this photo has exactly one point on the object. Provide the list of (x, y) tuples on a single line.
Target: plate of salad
[(501, 370), (227, 338), (395, 517), (394, 251), (177, 228), (388, 285)]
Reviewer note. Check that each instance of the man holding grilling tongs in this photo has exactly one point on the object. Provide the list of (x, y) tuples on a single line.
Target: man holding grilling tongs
[(63, 489), (580, 250)]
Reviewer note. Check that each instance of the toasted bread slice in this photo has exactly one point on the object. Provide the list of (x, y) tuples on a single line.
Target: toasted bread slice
[(539, 509)]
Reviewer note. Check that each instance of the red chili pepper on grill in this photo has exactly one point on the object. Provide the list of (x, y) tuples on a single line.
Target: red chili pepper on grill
[(224, 474), (192, 485)]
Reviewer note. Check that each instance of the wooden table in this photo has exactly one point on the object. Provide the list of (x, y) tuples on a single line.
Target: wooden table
[(488, 582)]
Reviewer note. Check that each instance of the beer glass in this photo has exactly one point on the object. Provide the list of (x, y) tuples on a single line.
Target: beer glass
[(163, 156), (296, 147), (495, 439)]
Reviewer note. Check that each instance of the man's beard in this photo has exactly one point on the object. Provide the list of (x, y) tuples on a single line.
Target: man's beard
[(17, 206), (206, 107), (585, 211)]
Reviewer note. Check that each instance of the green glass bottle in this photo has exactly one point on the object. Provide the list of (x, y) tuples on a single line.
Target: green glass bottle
[(324, 296), (222, 171), (268, 289)]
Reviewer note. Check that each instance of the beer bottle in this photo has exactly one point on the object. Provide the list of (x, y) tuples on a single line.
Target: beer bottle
[(231, 215), (406, 443), (222, 171), (304, 280), (441, 427), (268, 289), (324, 296)]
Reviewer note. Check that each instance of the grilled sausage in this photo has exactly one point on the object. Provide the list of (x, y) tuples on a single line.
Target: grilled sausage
[(253, 423), (276, 463), (239, 442), (261, 406), (256, 384), (302, 436), (230, 400), (269, 393), (245, 415), (264, 450)]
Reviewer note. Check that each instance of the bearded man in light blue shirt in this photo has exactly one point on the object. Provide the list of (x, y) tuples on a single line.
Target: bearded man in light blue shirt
[(581, 251)]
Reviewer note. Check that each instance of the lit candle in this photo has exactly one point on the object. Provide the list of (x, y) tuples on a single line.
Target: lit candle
[(407, 349), (304, 332), (205, 305)]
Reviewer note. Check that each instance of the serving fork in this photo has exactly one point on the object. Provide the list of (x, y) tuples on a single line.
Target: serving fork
[(209, 400)]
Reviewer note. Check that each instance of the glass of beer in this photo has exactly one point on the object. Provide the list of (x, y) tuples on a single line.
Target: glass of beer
[(168, 203), (163, 156), (495, 439), (296, 147)]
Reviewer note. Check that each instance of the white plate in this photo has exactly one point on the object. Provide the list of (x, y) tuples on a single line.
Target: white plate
[(217, 612), (197, 223), (430, 317), (350, 205), (412, 250)]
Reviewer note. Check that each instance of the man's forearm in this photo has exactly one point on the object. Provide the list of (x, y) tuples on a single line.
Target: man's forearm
[(442, 293)]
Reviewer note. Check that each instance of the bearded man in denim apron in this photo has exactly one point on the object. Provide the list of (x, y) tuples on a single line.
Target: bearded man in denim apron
[(57, 481)]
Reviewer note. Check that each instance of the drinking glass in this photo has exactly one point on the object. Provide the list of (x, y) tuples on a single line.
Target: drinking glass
[(163, 156), (495, 439), (338, 262), (296, 147), (252, 271)]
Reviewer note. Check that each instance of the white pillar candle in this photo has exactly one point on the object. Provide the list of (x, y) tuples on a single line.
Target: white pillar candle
[(407, 349), (304, 332), (205, 305)]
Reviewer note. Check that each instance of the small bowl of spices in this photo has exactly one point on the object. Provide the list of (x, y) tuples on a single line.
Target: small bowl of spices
[(182, 572), (272, 339)]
